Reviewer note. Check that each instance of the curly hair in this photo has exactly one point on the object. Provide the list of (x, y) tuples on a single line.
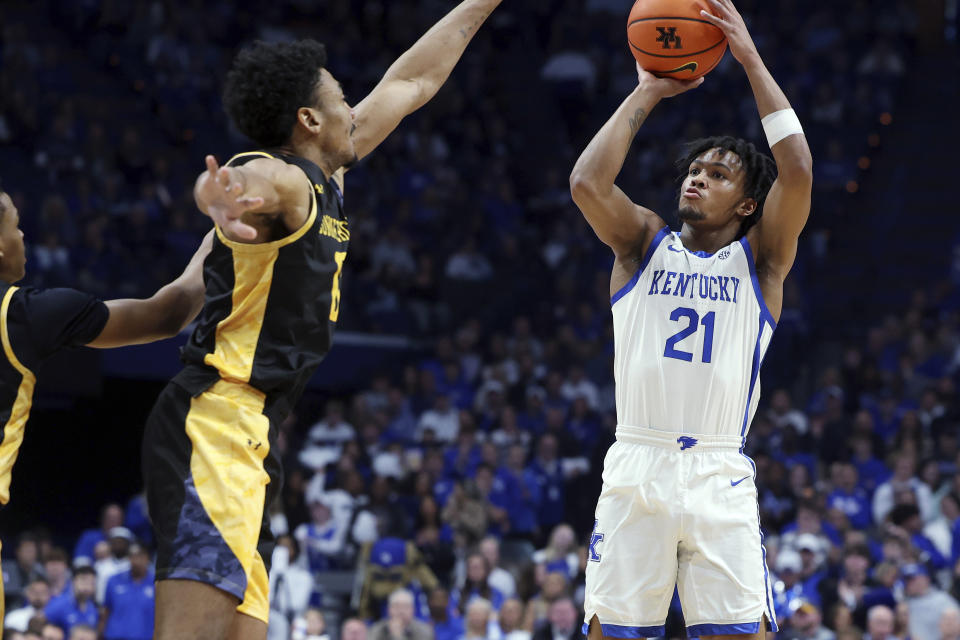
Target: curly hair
[(266, 85), (759, 168)]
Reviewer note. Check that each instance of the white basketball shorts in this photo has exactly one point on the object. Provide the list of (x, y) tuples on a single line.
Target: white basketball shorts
[(677, 510)]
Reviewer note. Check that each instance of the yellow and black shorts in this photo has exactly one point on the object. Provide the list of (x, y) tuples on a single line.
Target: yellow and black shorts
[(210, 475)]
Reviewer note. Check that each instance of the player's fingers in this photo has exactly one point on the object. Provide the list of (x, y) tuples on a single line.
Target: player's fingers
[(713, 19), (223, 177), (242, 230), (721, 6), (250, 203), (211, 164)]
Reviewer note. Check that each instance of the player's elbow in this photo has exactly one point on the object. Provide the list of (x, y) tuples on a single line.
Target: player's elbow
[(582, 188)]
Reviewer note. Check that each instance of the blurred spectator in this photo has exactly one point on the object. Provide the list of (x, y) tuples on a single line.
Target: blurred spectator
[(353, 629), (311, 626), (57, 571), (849, 497), (37, 596), (443, 420), (880, 624), (950, 624), (399, 623), (82, 632), (447, 625), (806, 624), (110, 516), (119, 540), (499, 579), (904, 479), (51, 632), (555, 585), (128, 601), (477, 585), (77, 606), (291, 587), (562, 622), (477, 619), (926, 604), (20, 571), (510, 620), (323, 537), (558, 556)]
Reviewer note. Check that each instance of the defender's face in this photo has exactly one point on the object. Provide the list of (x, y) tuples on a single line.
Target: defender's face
[(712, 191), (13, 262), (338, 116)]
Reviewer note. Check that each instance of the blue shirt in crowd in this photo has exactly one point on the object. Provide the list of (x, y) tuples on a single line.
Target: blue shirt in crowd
[(88, 540), (130, 606), (855, 504), (64, 612)]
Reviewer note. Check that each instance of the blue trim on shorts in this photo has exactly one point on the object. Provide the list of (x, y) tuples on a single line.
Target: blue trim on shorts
[(618, 631), (723, 629), (627, 288)]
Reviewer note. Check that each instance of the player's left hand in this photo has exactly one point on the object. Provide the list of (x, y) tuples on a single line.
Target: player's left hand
[(726, 17), (222, 191)]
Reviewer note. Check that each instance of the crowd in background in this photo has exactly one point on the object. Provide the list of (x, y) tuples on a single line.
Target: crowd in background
[(462, 488)]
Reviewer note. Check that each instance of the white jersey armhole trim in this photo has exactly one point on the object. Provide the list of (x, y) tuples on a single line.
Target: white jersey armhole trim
[(764, 310), (627, 288)]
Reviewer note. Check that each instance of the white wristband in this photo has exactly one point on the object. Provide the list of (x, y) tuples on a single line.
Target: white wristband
[(780, 124)]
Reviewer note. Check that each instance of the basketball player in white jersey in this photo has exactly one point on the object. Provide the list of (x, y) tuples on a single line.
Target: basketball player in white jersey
[(693, 315)]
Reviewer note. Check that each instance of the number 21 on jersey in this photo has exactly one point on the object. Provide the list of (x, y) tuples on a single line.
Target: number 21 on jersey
[(338, 257), (694, 321)]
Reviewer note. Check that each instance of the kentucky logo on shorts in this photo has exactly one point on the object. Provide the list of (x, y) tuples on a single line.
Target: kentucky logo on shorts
[(595, 537), (686, 442)]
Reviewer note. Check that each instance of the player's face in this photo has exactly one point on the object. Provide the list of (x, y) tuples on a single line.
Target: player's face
[(13, 261), (712, 191), (338, 124)]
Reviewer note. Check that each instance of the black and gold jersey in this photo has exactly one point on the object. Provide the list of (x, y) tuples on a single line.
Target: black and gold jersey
[(271, 308), (34, 324)]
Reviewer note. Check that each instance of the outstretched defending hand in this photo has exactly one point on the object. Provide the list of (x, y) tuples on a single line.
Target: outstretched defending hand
[(664, 87), (221, 192), (726, 17)]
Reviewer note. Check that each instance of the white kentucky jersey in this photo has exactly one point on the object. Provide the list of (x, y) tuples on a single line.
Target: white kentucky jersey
[(690, 330)]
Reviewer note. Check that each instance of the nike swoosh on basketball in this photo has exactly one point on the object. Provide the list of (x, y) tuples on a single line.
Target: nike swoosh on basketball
[(733, 484), (690, 66)]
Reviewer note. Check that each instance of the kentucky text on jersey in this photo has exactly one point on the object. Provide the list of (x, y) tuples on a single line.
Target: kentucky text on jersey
[(685, 285)]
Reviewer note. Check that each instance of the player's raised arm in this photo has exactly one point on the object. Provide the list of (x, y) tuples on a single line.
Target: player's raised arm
[(244, 201), (622, 225), (418, 74), (787, 205), (163, 315)]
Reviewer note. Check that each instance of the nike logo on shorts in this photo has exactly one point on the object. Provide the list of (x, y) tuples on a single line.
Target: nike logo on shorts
[(733, 484)]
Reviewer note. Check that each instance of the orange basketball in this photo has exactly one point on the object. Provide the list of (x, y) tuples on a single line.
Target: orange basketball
[(670, 38)]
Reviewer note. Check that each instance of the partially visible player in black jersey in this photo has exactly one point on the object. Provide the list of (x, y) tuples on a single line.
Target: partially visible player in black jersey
[(273, 293), (35, 323)]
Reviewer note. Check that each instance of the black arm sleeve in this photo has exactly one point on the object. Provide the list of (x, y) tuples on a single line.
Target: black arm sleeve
[(64, 318)]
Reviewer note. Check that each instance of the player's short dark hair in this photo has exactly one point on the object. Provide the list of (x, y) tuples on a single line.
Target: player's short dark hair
[(760, 170), (266, 85)]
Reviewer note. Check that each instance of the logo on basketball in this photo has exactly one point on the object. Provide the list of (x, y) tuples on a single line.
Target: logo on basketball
[(669, 35), (723, 255)]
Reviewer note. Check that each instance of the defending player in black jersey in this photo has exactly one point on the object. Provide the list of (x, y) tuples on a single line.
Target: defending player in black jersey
[(35, 323), (273, 292)]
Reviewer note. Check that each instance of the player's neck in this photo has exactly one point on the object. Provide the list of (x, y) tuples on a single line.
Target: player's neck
[(707, 240), (313, 154)]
